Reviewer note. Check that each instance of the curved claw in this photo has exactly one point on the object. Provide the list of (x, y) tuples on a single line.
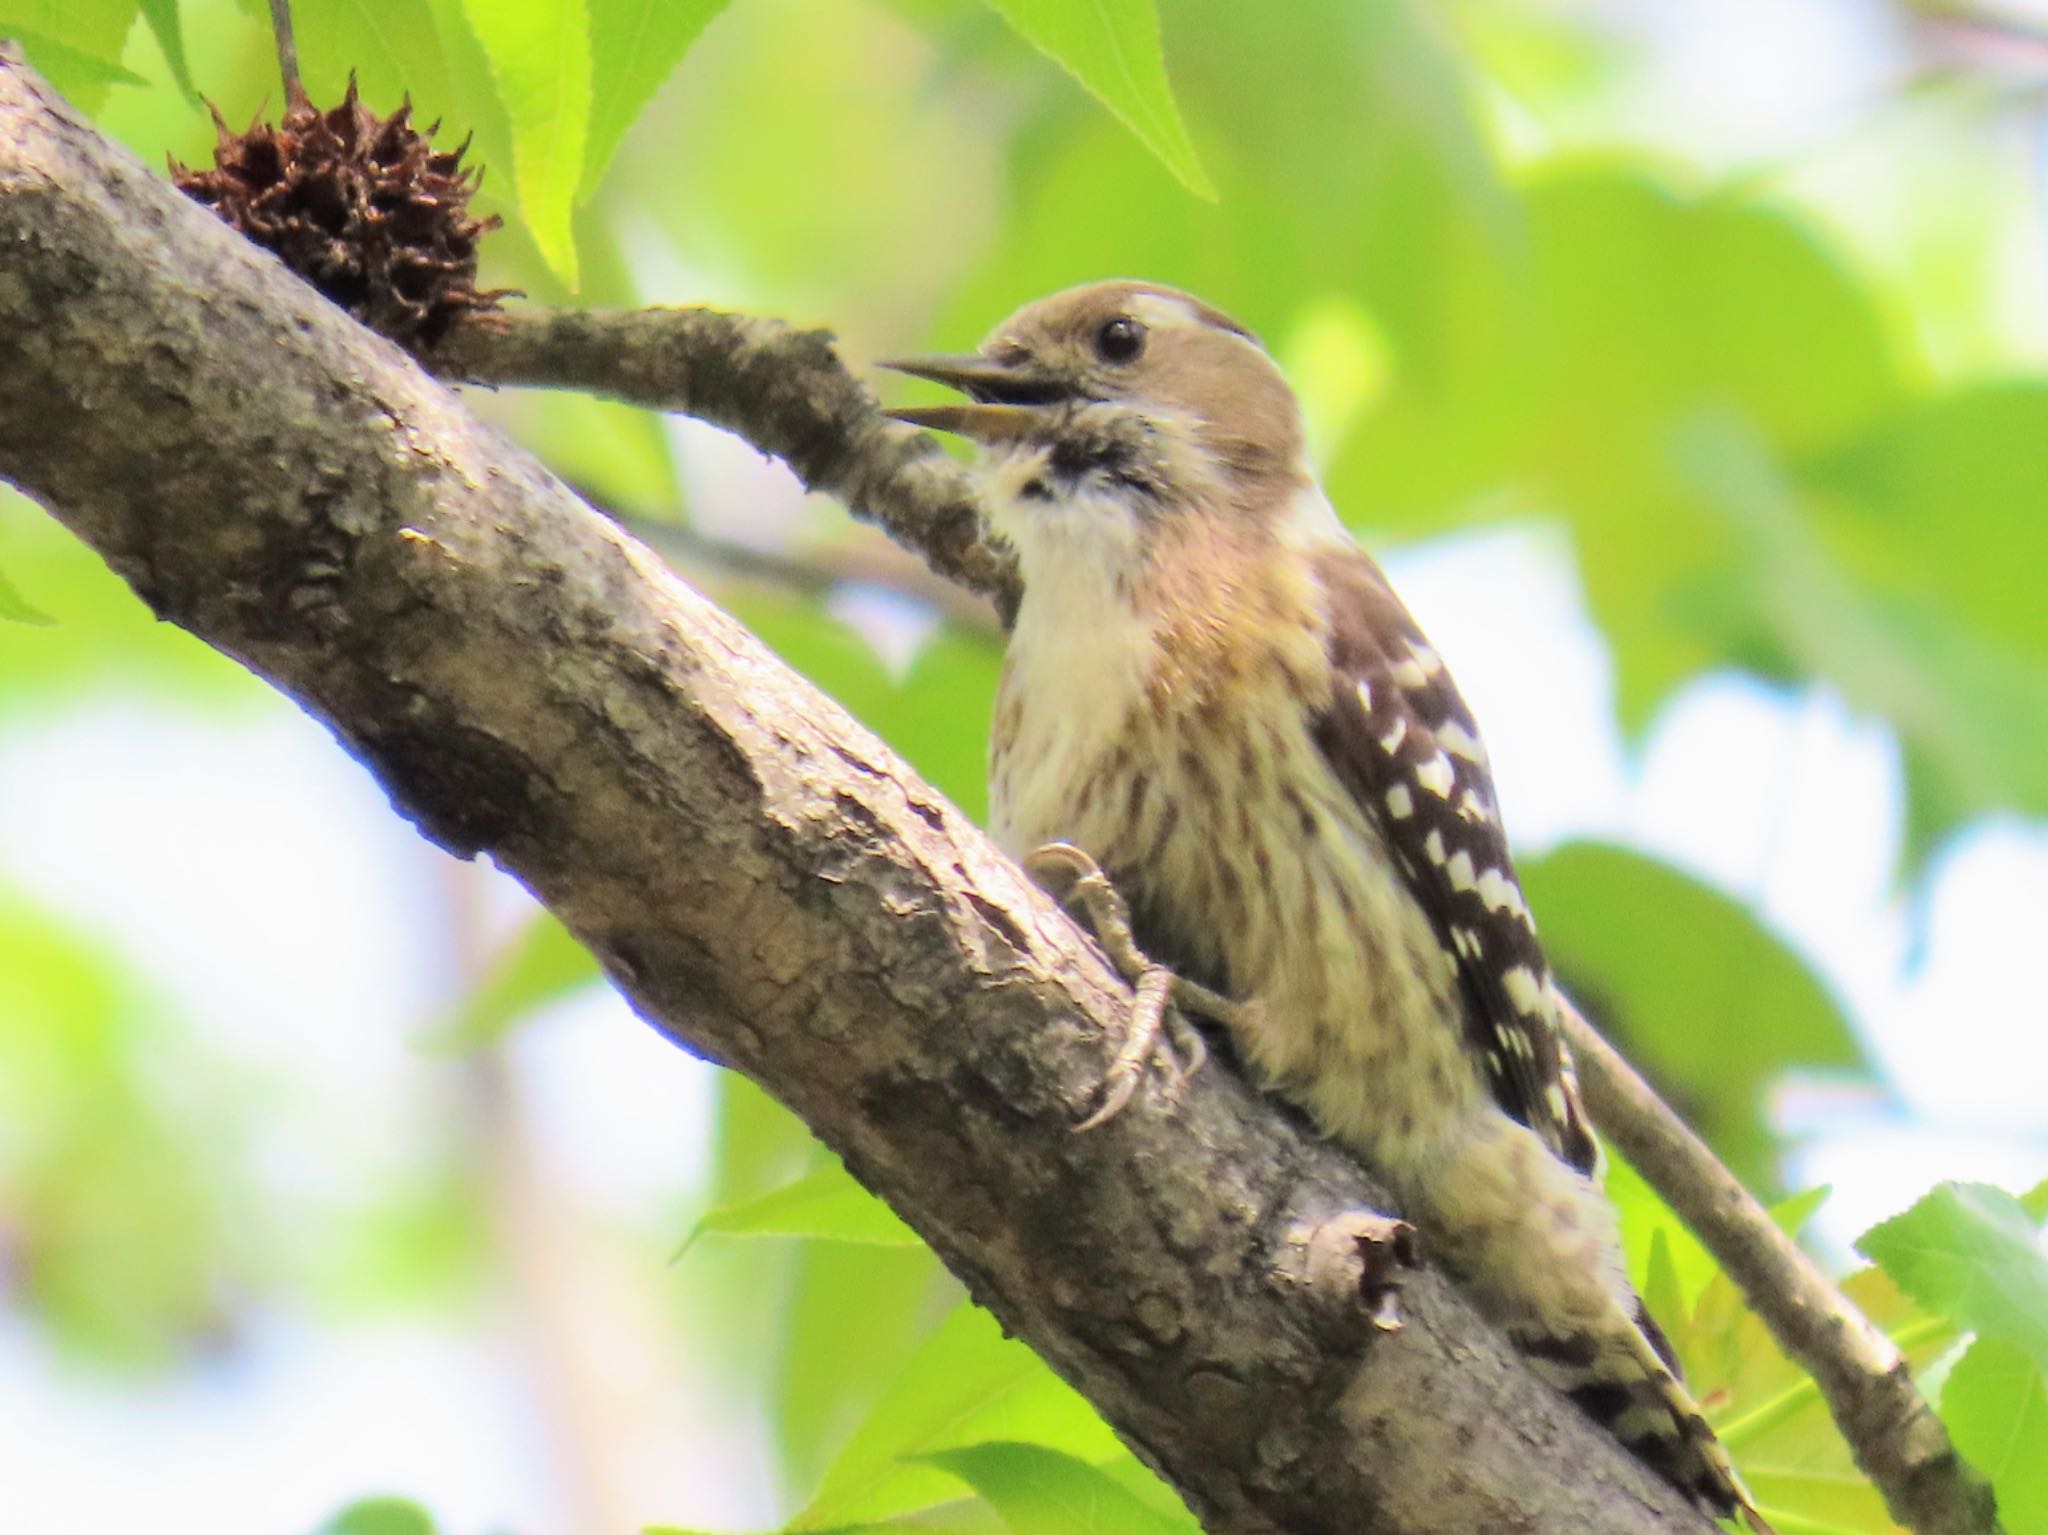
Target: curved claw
[(1063, 856), (1159, 1026), (1108, 916), (1141, 1043)]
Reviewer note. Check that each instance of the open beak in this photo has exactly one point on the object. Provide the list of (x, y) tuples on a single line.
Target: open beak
[(986, 424), (1008, 396)]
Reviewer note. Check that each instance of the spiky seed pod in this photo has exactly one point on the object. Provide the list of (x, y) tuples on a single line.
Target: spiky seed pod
[(365, 209)]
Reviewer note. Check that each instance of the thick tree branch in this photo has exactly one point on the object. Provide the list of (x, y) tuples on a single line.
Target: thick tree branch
[(764, 879)]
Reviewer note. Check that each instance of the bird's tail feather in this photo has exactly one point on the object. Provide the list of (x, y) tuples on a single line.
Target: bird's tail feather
[(1625, 1378)]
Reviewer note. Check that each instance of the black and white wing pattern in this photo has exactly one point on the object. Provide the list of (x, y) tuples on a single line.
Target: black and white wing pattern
[(1402, 741)]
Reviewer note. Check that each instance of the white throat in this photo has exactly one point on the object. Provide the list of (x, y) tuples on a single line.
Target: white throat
[(1080, 655)]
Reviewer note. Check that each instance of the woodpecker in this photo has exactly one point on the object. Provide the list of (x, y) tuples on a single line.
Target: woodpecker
[(1214, 694)]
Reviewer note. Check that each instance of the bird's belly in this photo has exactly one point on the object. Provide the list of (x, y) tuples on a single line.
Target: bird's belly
[(1249, 865)]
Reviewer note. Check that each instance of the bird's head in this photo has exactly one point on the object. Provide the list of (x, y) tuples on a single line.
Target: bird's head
[(1122, 390)]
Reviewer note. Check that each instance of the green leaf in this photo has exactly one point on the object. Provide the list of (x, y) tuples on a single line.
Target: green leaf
[(1766, 1390), (2035, 1202), (855, 1312), (1663, 1296), (1970, 1252), (968, 1384), (1044, 1492), (634, 44), (1143, 1483), (391, 48), (539, 52), (948, 746), (1837, 1493), (1368, 178), (76, 43), (540, 964), (615, 455), (827, 1205), (69, 67), (17, 609), (757, 1144), (103, 634), (169, 31), (1648, 1227), (1793, 1212), (380, 1516), (116, 1194), (1696, 990), (1112, 48), (1996, 1406), (1773, 1418)]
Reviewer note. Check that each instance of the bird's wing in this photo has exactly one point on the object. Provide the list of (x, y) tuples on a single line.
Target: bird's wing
[(1400, 738)]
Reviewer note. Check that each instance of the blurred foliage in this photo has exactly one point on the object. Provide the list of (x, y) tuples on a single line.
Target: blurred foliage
[(935, 712), (1747, 419), (83, 630), (1702, 998), (380, 1516), (111, 1178), (540, 964)]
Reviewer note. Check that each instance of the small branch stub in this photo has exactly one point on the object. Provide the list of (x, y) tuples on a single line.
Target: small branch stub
[(1352, 1264), (1386, 1247)]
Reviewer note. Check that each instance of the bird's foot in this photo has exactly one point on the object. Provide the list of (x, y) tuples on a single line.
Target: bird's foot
[(1159, 1028)]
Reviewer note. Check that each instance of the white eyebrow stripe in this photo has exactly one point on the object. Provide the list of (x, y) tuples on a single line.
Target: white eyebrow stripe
[(1162, 312)]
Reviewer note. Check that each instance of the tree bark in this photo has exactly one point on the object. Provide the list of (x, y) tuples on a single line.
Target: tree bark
[(764, 879)]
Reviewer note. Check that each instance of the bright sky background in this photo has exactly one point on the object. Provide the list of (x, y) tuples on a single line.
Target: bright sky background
[(274, 859)]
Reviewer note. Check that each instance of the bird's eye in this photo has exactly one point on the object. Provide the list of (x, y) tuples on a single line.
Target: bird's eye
[(1120, 340)]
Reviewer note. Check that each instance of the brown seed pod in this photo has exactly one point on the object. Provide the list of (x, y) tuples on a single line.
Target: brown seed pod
[(363, 208)]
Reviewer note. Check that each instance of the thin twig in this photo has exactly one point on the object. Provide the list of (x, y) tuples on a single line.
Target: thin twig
[(541, 1274), (1896, 1438), (287, 51), (862, 559)]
